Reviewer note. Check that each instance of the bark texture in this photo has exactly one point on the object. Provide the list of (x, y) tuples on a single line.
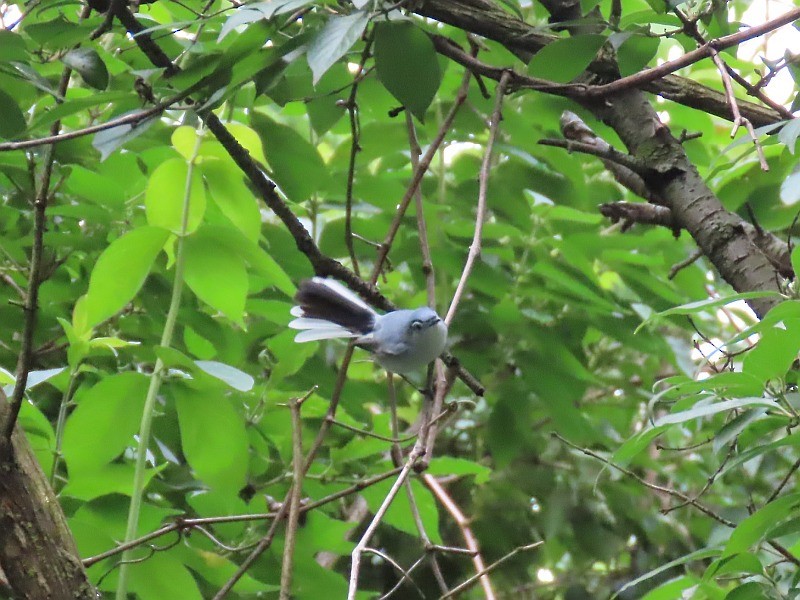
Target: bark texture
[(719, 233), (37, 551)]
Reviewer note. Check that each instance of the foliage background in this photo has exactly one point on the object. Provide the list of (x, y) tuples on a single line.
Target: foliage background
[(548, 324)]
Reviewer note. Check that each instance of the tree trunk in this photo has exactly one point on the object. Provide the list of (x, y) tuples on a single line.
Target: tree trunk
[(37, 551)]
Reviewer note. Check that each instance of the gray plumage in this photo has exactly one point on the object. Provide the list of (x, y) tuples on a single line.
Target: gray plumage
[(401, 341)]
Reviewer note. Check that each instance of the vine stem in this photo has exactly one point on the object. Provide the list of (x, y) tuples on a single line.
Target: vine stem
[(155, 384)]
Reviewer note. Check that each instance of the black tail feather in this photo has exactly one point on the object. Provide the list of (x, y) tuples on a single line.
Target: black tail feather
[(319, 301)]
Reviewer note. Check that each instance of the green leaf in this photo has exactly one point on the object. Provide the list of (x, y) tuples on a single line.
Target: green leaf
[(776, 351), (109, 140), (450, 465), (165, 194), (61, 33), (34, 379), (213, 438), (705, 305), (712, 409), (107, 479), (701, 554), (238, 380), (228, 191), (788, 134), (217, 275), (12, 47), (399, 513), (407, 65), (163, 576), (132, 254), (753, 529), (297, 167), (634, 51), (13, 121), (795, 260), (563, 60), (749, 590), (334, 41), (105, 420), (88, 63)]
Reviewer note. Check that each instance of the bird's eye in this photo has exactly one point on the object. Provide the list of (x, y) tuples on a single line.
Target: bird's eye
[(416, 325)]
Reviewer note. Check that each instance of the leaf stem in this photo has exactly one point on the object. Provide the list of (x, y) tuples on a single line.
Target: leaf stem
[(62, 417), (155, 384)]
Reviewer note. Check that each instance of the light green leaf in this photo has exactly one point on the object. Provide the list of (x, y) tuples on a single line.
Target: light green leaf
[(217, 275), (105, 420), (228, 191), (132, 254), (165, 194), (213, 438)]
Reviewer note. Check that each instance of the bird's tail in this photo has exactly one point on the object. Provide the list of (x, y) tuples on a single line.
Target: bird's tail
[(327, 309)]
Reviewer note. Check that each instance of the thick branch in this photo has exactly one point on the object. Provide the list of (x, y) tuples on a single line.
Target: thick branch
[(323, 265), (718, 232), (484, 18), (37, 551)]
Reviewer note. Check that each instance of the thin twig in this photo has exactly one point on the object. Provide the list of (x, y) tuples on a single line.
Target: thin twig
[(31, 305), (266, 541), (690, 28), (658, 488), (187, 524), (406, 573), (611, 153), (691, 259), (471, 581), (358, 551), (709, 482), (423, 166), (294, 501), (422, 228), (131, 119), (355, 148), (412, 501), (480, 213), (784, 481), (466, 531), (675, 494)]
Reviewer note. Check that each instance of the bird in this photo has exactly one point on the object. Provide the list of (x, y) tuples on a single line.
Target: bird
[(402, 341)]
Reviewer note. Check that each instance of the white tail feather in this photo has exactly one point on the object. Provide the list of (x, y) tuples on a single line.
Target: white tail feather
[(297, 311), (309, 323), (334, 332), (343, 291)]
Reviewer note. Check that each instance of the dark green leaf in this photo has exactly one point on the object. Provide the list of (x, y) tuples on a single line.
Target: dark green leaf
[(13, 121), (334, 41), (565, 59), (406, 63), (88, 63)]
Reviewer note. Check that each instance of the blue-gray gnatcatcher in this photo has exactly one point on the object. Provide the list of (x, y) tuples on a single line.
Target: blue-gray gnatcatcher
[(402, 341)]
